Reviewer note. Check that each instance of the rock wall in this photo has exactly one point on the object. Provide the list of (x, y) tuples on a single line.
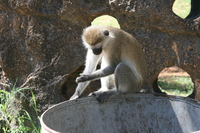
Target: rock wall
[(40, 42)]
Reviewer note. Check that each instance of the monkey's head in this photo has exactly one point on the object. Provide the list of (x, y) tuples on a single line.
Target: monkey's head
[(94, 38)]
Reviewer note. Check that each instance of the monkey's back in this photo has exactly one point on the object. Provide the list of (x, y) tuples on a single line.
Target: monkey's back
[(130, 50)]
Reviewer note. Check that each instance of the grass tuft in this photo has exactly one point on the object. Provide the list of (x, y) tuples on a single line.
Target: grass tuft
[(13, 116), (176, 85)]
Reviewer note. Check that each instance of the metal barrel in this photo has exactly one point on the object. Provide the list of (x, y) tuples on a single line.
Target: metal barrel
[(130, 113)]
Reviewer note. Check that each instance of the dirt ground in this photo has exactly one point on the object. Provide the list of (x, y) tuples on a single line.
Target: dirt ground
[(173, 71)]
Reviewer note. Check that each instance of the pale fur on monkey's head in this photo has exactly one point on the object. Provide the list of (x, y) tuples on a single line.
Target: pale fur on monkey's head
[(94, 35)]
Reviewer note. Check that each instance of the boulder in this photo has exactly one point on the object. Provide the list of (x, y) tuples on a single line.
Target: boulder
[(41, 48)]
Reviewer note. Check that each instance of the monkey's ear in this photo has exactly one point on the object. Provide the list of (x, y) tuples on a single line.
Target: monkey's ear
[(106, 32)]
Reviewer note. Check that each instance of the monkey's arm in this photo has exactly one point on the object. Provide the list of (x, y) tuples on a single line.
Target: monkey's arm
[(90, 66), (91, 62), (97, 74)]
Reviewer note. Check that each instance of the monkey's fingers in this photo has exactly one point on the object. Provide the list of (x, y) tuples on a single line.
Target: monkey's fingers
[(78, 80), (83, 78)]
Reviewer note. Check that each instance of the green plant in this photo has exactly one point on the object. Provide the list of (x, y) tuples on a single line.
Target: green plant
[(13, 116), (176, 85)]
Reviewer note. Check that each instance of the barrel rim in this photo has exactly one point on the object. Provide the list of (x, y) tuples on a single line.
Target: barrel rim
[(90, 99)]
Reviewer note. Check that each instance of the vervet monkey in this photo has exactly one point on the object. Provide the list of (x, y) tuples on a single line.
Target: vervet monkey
[(123, 64)]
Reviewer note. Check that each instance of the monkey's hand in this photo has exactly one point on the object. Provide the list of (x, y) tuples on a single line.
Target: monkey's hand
[(83, 78), (74, 97)]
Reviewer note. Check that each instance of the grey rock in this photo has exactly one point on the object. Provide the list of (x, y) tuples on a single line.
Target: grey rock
[(40, 42)]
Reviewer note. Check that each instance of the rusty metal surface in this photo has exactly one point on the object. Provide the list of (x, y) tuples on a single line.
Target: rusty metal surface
[(141, 113)]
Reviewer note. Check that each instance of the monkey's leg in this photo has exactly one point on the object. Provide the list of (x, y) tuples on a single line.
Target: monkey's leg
[(91, 63), (106, 90), (107, 83), (79, 89), (104, 86), (126, 79)]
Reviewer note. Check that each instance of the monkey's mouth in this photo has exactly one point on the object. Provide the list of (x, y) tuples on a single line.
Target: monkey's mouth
[(97, 51)]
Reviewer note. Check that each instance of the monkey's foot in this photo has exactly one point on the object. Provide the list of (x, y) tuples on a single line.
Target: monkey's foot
[(144, 91), (101, 96)]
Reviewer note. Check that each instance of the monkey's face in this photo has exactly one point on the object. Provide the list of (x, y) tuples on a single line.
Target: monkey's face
[(94, 37), (97, 51)]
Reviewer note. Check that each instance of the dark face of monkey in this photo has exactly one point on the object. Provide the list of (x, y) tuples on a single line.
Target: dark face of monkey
[(97, 51)]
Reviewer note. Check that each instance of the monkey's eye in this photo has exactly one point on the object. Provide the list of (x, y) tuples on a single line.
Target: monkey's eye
[(106, 32)]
